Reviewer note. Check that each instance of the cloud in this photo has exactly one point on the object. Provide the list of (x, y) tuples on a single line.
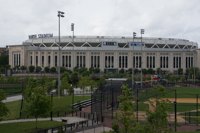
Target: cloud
[(159, 18)]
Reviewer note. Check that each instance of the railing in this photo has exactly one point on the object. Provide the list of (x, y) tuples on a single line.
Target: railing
[(91, 121), (82, 104)]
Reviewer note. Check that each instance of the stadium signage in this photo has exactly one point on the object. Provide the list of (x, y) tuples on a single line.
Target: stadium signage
[(40, 36), (133, 44)]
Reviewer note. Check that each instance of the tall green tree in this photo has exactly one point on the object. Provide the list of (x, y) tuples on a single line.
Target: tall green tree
[(84, 82), (74, 78), (31, 69), (66, 85), (125, 121), (37, 103), (3, 108), (157, 117), (3, 60)]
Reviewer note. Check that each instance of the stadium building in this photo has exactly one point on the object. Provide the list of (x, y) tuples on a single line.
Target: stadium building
[(105, 52)]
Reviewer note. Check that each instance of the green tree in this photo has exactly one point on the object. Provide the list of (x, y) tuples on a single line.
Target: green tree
[(46, 69), (31, 69), (3, 60), (93, 84), (157, 117), (53, 70), (65, 85), (124, 121), (180, 71), (74, 79), (150, 71), (23, 68), (62, 69), (159, 71), (83, 83), (37, 103), (3, 108), (38, 69)]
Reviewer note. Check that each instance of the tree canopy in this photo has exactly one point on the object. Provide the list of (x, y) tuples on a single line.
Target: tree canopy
[(3, 108)]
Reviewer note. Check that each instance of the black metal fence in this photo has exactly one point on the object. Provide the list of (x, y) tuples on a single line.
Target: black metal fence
[(105, 98), (91, 121), (182, 108)]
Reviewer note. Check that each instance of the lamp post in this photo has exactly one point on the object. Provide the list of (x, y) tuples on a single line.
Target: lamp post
[(194, 62), (134, 35), (141, 32), (60, 15), (51, 106), (175, 110), (72, 29)]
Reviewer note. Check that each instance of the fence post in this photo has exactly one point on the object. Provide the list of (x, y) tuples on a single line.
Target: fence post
[(175, 110), (189, 117), (185, 117), (51, 115), (97, 119), (92, 119), (58, 114), (197, 113)]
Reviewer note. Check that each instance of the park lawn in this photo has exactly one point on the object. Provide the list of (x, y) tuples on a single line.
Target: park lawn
[(141, 106), (27, 127), (12, 90), (14, 109), (182, 92), (60, 104), (189, 132), (181, 107), (64, 103)]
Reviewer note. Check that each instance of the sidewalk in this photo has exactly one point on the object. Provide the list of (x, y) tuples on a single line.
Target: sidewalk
[(12, 98), (59, 119), (96, 130)]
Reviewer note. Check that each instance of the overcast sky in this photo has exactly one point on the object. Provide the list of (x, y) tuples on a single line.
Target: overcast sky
[(159, 18)]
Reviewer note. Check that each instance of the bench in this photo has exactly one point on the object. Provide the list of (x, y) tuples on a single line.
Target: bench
[(64, 120)]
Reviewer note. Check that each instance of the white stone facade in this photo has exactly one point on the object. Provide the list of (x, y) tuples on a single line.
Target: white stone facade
[(106, 53)]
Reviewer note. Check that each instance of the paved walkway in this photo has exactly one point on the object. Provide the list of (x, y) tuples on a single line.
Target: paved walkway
[(12, 98), (68, 119), (96, 130)]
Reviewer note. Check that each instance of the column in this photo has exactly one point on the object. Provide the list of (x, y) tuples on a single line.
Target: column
[(102, 61)]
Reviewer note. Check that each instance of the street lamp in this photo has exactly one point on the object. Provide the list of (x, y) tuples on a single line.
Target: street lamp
[(72, 29), (51, 105), (60, 15), (194, 66), (134, 35), (141, 32)]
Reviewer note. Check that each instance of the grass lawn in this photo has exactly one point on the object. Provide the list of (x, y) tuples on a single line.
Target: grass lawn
[(12, 90), (181, 107), (14, 109), (62, 104), (190, 132), (27, 127), (182, 92), (141, 106)]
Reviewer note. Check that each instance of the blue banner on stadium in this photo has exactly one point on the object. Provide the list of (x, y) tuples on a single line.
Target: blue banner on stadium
[(136, 44)]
